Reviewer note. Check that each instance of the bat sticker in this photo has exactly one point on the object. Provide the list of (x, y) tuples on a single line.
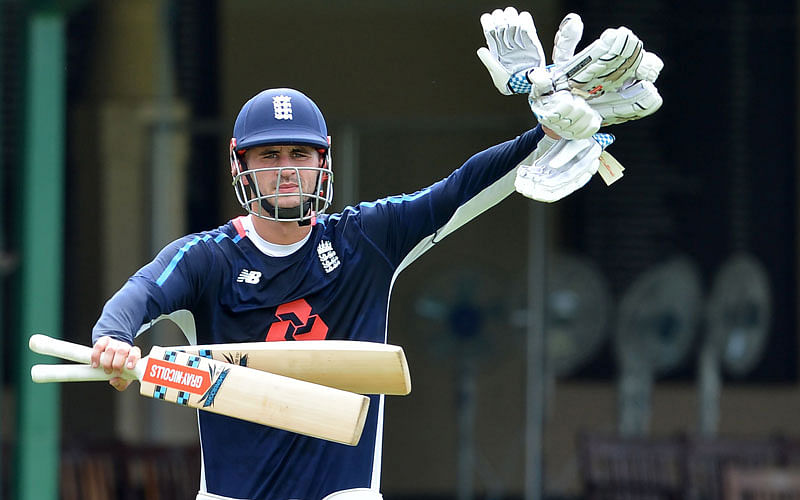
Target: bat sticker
[(231, 358), (208, 398), (176, 376)]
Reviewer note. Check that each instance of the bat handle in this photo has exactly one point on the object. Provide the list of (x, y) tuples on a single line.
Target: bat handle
[(49, 346), (72, 373)]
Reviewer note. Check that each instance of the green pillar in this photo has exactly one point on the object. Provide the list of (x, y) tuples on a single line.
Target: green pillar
[(3, 250), (39, 408)]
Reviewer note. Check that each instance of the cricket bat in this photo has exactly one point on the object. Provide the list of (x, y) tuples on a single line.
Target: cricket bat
[(361, 367), (227, 389)]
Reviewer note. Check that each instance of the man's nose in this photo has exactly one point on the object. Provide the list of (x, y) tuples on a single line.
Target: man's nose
[(287, 170)]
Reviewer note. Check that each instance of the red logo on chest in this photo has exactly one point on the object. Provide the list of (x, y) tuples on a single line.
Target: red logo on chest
[(295, 322)]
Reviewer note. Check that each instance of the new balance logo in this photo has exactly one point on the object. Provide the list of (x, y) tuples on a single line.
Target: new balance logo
[(327, 256), (283, 107), (250, 277)]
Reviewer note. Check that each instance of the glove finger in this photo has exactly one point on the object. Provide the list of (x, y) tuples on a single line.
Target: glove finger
[(630, 103), (511, 37), (499, 20), (581, 75), (566, 175), (624, 71), (535, 185), (560, 102), (585, 125), (650, 67), (496, 70), (554, 189), (500, 28), (567, 37), (582, 155), (646, 102), (563, 169), (527, 24), (579, 116), (489, 32), (512, 19), (639, 90), (519, 38), (526, 30), (556, 112), (487, 22), (655, 103), (566, 151), (529, 37), (620, 41), (622, 58)]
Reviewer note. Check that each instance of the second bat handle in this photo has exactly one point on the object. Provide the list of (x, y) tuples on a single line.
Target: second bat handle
[(71, 373), (49, 346)]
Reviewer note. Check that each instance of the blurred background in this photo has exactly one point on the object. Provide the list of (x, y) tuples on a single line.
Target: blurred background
[(632, 341)]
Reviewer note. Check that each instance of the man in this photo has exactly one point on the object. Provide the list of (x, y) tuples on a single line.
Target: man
[(290, 271)]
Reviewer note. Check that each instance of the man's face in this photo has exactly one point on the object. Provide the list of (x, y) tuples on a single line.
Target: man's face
[(287, 182)]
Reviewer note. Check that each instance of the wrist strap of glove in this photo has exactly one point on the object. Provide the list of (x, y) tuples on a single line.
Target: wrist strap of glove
[(519, 83)]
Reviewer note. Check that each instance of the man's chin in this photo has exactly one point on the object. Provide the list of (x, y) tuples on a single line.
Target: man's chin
[(286, 203)]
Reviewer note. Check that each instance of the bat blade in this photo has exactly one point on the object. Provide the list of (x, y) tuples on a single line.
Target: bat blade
[(256, 396), (362, 367)]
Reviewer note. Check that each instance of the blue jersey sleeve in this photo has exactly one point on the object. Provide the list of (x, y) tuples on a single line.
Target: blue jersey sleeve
[(168, 283), (405, 226)]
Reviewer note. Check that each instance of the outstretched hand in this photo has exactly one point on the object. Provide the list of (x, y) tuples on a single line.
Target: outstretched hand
[(614, 75), (513, 53), (513, 49)]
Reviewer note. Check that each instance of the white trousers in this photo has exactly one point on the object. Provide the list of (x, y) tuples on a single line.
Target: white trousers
[(353, 494), (210, 496)]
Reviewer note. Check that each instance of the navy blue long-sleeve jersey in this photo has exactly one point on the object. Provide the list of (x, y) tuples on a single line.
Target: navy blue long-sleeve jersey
[(336, 286)]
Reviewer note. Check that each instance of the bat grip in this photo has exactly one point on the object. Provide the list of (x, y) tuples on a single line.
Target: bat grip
[(49, 346), (72, 373)]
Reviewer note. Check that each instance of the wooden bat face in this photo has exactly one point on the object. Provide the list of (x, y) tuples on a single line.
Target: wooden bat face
[(253, 395), (362, 367)]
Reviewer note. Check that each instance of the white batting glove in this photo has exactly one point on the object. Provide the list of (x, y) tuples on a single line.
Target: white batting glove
[(607, 64), (602, 66), (564, 168), (566, 114), (631, 102), (513, 49), (630, 99)]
